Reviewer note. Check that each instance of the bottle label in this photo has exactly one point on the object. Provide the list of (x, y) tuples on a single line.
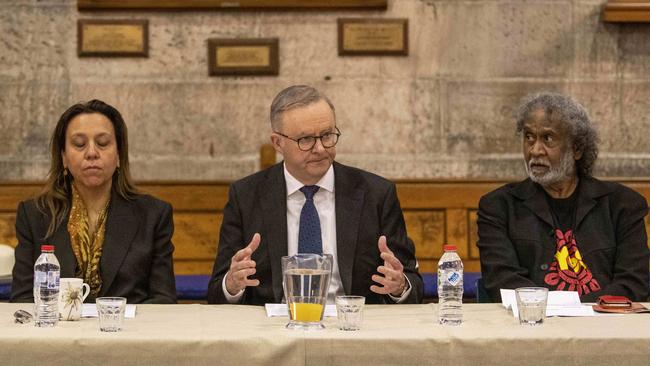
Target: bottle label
[(52, 280), (39, 277), (454, 278)]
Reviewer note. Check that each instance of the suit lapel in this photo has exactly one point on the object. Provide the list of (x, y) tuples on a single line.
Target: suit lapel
[(274, 206), (534, 198), (121, 225), (585, 204), (63, 250), (589, 190), (348, 206)]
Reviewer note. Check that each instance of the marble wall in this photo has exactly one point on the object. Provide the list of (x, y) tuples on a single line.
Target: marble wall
[(445, 111)]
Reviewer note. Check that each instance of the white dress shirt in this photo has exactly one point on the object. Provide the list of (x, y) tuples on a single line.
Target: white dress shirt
[(325, 205), (324, 202)]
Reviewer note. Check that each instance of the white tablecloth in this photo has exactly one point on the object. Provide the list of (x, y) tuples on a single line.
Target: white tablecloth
[(391, 334)]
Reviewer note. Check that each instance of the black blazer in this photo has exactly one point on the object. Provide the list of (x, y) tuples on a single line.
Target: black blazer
[(136, 260), (366, 208), (517, 243)]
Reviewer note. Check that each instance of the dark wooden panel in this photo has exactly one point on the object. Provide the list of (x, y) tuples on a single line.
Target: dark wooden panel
[(627, 11), (472, 234), (12, 193), (196, 235), (446, 194), (427, 229), (8, 229), (457, 230), (193, 267), (190, 196)]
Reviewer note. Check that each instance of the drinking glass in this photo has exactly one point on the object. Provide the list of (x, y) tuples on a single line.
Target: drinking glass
[(531, 304), (111, 313)]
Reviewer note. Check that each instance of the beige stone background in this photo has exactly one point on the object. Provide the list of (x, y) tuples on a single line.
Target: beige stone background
[(445, 111)]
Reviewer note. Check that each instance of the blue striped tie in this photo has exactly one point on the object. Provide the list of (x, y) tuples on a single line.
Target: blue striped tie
[(309, 237)]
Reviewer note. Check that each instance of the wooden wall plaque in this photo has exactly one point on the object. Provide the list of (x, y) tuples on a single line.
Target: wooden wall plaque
[(373, 36), (229, 4), (252, 56), (113, 37)]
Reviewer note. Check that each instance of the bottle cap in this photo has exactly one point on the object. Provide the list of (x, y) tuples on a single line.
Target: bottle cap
[(449, 248), (47, 248)]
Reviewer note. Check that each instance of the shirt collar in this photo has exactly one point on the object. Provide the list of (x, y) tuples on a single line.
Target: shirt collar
[(293, 184)]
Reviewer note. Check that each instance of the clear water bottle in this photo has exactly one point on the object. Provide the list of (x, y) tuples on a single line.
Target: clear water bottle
[(450, 287), (47, 272)]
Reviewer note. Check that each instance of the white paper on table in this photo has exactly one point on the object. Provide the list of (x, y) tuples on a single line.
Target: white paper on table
[(569, 310), (90, 311), (283, 310), (508, 299), (559, 303)]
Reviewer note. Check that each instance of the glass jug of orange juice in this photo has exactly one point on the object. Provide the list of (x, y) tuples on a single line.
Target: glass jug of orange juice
[(306, 280)]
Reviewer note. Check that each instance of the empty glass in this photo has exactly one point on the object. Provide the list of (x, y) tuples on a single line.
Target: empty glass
[(349, 310), (531, 304), (111, 313)]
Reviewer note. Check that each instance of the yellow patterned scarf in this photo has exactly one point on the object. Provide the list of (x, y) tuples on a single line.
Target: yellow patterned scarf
[(87, 249)]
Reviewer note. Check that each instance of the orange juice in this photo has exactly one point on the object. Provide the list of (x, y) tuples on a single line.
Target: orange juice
[(304, 312)]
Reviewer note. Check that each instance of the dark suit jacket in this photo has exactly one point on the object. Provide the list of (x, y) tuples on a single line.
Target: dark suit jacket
[(136, 260), (517, 243), (366, 208)]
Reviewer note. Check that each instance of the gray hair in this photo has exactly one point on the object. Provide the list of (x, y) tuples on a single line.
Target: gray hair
[(293, 97), (573, 116)]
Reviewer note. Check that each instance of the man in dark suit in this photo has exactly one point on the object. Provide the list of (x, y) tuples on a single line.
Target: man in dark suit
[(561, 228), (310, 203)]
